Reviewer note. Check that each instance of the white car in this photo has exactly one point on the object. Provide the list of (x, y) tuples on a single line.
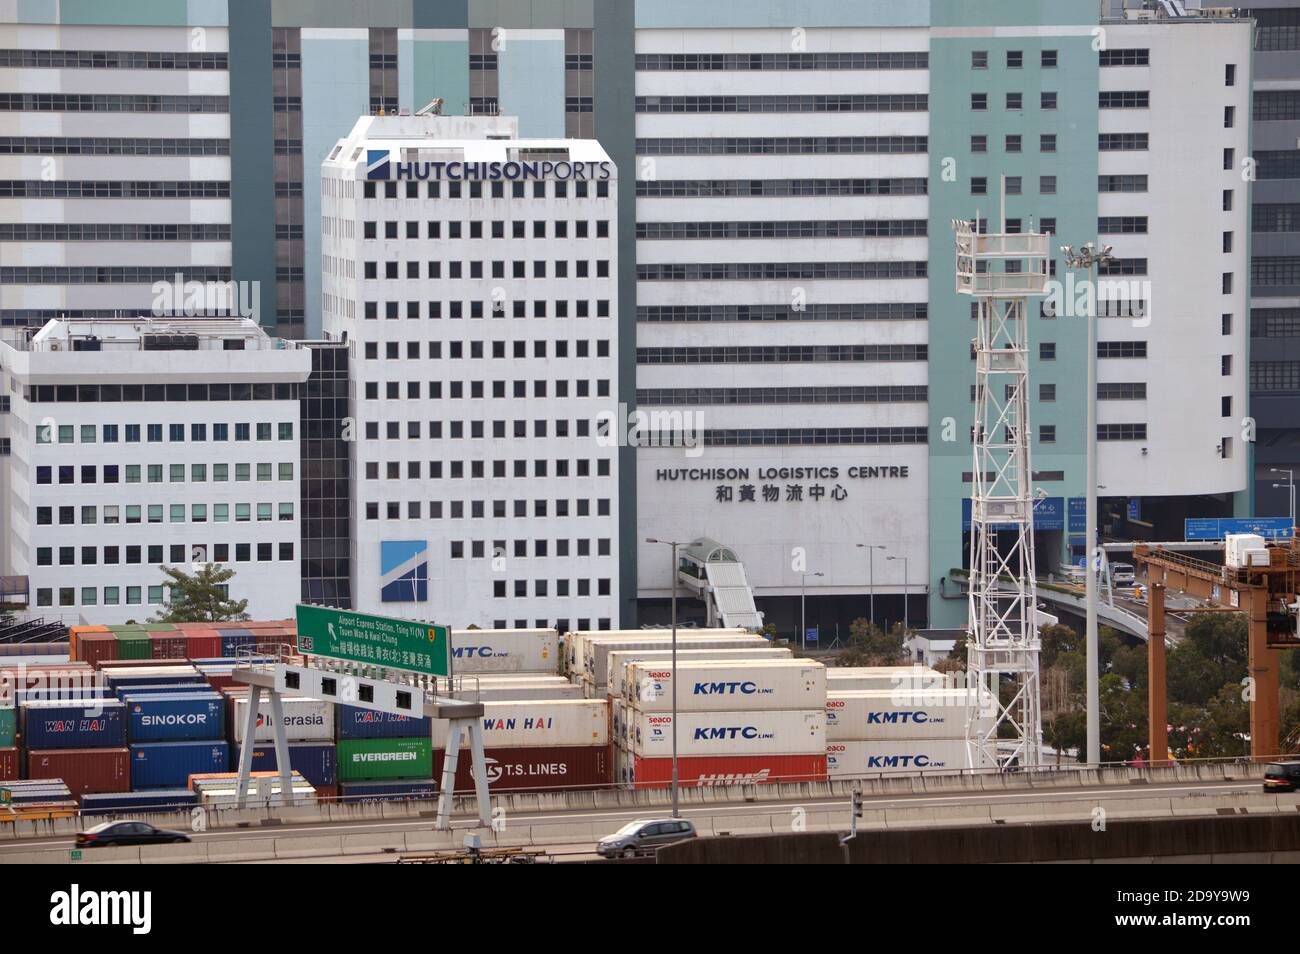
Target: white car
[(1121, 574)]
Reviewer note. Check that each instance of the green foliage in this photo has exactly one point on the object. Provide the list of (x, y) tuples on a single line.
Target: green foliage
[(199, 597), (869, 645)]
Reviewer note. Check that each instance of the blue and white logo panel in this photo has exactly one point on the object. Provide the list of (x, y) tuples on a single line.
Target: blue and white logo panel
[(376, 163), (404, 571)]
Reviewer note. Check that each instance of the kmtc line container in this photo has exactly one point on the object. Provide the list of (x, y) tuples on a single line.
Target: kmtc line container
[(888, 714), (596, 649), (843, 678), (703, 772), (368, 759), (89, 724), (549, 722), (617, 667), (357, 723), (305, 720), (774, 732), (175, 717), (8, 726), (315, 761), (398, 790), (715, 685), (573, 646), (170, 764), (161, 800), (855, 759), (84, 771), (504, 650), (535, 769), (505, 692)]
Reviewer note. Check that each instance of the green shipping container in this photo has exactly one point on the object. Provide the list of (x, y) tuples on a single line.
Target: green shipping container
[(134, 646), (365, 759), (7, 724)]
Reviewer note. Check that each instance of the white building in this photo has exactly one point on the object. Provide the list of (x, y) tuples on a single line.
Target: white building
[(473, 273), (137, 444)]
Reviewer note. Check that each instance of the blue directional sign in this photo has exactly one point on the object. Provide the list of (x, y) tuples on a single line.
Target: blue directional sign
[(1215, 528), (811, 634), (1078, 515)]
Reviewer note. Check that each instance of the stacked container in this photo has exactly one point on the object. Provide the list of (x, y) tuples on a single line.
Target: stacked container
[(875, 731), (505, 651), (384, 747), (82, 742), (590, 651)]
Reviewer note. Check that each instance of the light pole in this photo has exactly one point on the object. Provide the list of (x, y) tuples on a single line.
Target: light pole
[(674, 544), (1089, 256), (803, 616), (871, 549), (1290, 485), (904, 559)]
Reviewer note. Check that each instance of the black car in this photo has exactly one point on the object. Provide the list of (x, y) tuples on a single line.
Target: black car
[(128, 833), (1282, 776)]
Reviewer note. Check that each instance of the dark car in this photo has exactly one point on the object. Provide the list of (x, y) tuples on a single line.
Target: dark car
[(128, 833), (641, 837), (1282, 776)]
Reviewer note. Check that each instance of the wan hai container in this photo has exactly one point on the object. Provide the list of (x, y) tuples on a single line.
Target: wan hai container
[(774, 732), (720, 685), (548, 722), (89, 724)]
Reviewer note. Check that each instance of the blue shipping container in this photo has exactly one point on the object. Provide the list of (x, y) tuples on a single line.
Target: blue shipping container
[(314, 761), (170, 764), (61, 693), (357, 723), (397, 790), (231, 642), (154, 679), (163, 799), (89, 724), (161, 688), (175, 717)]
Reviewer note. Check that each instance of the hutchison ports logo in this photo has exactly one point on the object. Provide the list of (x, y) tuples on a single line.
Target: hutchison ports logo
[(376, 163)]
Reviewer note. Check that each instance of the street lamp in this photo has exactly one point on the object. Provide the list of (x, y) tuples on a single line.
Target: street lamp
[(1290, 485), (871, 549), (904, 559), (674, 544), (803, 616), (1090, 257)]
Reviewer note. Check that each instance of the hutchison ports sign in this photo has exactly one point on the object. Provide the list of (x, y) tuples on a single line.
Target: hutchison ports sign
[(377, 640), (380, 166)]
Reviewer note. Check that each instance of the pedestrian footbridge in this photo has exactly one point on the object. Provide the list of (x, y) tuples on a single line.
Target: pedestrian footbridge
[(715, 574)]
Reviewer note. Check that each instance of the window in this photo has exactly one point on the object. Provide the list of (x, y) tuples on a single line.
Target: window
[(979, 59), (979, 185), (1015, 59), (1047, 59), (1047, 433), (1015, 100), (979, 101), (1047, 351), (979, 143), (1047, 101), (1011, 142)]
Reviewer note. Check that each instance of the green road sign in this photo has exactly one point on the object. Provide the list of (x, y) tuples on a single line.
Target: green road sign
[(76, 854), (377, 640)]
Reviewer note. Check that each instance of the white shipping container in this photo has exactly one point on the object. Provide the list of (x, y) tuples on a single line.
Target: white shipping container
[(839, 678), (500, 692), (504, 651), (775, 732), (551, 722), (575, 641), (1239, 546), (718, 684), (596, 663), (305, 720), (618, 660), (887, 714), (857, 759)]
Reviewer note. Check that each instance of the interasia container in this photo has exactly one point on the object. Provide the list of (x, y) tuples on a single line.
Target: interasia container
[(504, 650), (8, 726), (695, 772), (161, 800), (550, 722), (305, 720), (885, 714), (856, 759), (717, 684), (365, 759), (773, 732), (398, 790), (84, 771), (174, 717), (617, 665), (90, 724), (882, 677), (357, 723), (534, 769), (170, 764), (9, 764), (316, 761)]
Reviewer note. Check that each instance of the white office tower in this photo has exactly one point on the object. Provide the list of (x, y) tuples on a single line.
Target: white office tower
[(139, 443), (473, 274)]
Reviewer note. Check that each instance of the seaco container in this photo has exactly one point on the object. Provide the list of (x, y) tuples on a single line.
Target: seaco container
[(89, 724), (159, 800), (170, 764), (357, 723), (888, 714), (397, 790), (618, 660), (546, 722), (314, 761), (771, 732), (855, 759), (8, 726), (175, 716), (596, 648), (305, 720), (366, 759), (535, 768), (712, 685), (504, 650), (704, 772), (84, 771)]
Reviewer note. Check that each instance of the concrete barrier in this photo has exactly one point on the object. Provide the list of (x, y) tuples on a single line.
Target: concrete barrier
[(369, 844), (187, 853), (241, 849), (566, 834), (309, 846)]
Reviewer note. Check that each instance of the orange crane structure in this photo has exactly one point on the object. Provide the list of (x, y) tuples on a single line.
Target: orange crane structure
[(1267, 595)]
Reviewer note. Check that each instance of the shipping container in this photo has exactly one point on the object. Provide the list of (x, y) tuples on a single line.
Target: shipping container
[(504, 650), (572, 646), (854, 759), (357, 723), (693, 772), (90, 724), (135, 803), (65, 694), (774, 732), (97, 648), (17, 676), (550, 722), (162, 689), (367, 759), (10, 764), (174, 716), (535, 768), (170, 764), (612, 683), (204, 645), (232, 642), (84, 771), (501, 692), (135, 645), (201, 782), (169, 646), (398, 790), (846, 678), (717, 684), (228, 796), (40, 791), (8, 726), (316, 761), (305, 720), (887, 714), (597, 650)]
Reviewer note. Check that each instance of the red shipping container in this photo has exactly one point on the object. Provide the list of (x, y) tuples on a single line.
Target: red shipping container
[(96, 648), (206, 645), (84, 771), (536, 769), (324, 792), (219, 682), (729, 770), (9, 763), (169, 645)]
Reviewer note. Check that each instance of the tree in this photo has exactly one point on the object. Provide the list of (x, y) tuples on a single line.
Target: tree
[(869, 645), (200, 597)]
